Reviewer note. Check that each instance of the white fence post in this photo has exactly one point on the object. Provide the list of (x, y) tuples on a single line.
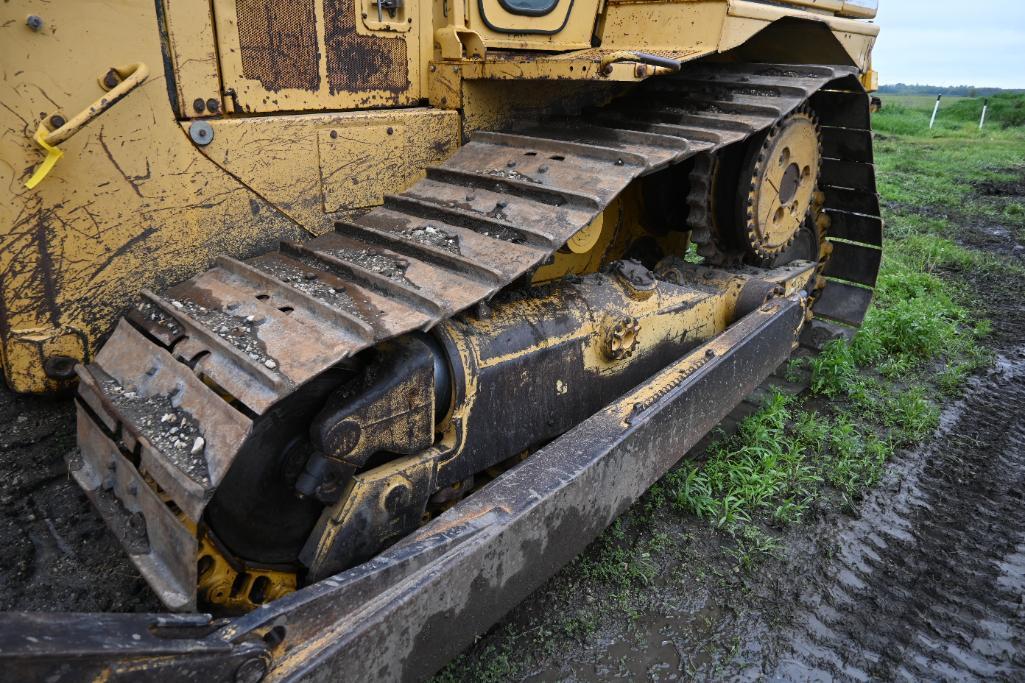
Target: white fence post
[(985, 106), (935, 110)]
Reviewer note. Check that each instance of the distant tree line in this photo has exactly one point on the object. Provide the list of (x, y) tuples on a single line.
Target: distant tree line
[(951, 90)]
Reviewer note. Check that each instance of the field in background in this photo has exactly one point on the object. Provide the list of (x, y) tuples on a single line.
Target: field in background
[(910, 113), (917, 101)]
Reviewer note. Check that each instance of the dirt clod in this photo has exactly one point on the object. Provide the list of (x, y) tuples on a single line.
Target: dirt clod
[(307, 282), (238, 330), (433, 237), (512, 175), (390, 267), (1008, 188)]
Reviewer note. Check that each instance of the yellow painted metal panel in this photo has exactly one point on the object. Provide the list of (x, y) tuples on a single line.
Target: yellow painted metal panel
[(657, 26), (133, 203), (495, 15), (310, 166), (360, 164), (190, 32), (568, 26), (289, 55)]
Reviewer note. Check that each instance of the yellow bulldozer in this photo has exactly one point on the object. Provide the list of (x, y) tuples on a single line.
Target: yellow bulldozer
[(378, 311)]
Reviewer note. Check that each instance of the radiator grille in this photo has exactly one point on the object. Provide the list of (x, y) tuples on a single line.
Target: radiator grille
[(278, 41), (358, 63)]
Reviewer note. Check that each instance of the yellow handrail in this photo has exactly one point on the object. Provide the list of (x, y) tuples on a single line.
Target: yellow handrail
[(132, 76)]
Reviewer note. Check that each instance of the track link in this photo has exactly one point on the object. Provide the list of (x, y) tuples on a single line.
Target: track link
[(209, 357)]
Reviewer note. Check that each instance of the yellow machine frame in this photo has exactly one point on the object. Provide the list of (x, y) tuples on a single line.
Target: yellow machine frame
[(170, 137)]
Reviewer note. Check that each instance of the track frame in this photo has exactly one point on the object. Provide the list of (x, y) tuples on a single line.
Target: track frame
[(404, 614)]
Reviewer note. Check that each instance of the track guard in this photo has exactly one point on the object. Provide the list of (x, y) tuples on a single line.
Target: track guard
[(402, 615)]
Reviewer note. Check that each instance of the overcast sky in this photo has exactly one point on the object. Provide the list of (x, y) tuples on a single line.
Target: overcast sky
[(952, 42)]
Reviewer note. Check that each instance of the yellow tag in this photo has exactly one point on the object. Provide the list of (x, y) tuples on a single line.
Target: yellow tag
[(53, 155)]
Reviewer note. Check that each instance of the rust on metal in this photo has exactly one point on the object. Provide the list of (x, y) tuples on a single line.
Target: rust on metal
[(484, 554), (194, 379)]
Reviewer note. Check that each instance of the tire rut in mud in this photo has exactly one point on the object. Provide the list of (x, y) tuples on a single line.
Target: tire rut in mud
[(929, 581)]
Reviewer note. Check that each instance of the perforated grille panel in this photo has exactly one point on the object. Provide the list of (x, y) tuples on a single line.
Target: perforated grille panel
[(278, 41), (358, 63)]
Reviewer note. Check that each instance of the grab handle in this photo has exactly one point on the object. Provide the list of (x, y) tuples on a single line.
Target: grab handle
[(131, 77)]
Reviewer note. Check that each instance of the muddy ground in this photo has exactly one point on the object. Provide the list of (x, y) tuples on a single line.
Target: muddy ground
[(923, 579), (57, 554)]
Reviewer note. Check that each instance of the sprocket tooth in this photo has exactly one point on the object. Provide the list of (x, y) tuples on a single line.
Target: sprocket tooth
[(701, 217)]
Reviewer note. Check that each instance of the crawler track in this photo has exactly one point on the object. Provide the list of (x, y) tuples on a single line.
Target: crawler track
[(211, 357)]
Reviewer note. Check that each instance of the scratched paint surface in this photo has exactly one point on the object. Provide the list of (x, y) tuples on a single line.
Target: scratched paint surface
[(313, 56), (134, 203)]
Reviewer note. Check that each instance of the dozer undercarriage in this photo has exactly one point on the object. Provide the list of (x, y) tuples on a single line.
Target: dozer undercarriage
[(378, 441)]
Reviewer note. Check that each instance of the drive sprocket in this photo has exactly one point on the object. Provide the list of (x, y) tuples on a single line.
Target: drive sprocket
[(750, 202), (781, 175)]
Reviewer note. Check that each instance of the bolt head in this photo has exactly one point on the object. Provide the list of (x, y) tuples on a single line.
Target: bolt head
[(59, 367), (396, 498), (111, 79), (201, 132)]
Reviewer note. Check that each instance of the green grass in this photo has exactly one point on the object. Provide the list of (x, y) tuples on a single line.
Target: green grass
[(784, 458), (923, 102), (925, 335), (910, 114), (916, 322), (763, 468), (1006, 110), (929, 177)]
